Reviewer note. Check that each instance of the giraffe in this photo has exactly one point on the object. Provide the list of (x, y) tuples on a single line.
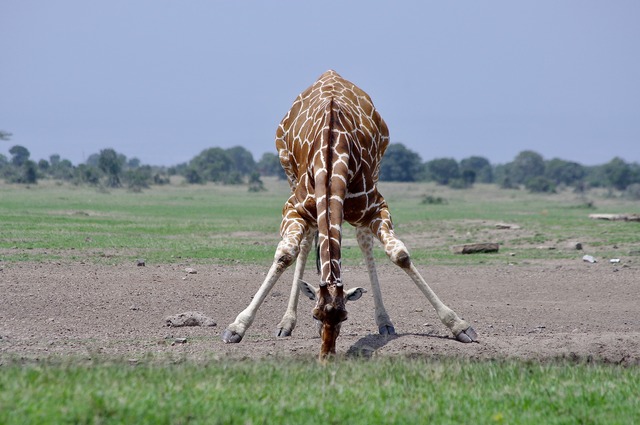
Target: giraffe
[(330, 145)]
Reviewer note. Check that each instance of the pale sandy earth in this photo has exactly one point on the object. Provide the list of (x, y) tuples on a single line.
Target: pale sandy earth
[(540, 311)]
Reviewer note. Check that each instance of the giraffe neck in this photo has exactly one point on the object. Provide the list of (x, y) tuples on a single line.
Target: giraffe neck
[(331, 185)]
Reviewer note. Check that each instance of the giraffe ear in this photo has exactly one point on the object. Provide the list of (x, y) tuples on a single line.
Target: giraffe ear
[(354, 294), (308, 290)]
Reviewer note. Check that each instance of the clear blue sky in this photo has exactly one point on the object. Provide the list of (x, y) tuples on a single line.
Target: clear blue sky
[(162, 80)]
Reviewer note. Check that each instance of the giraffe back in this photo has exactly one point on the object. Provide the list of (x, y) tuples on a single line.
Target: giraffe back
[(330, 145)]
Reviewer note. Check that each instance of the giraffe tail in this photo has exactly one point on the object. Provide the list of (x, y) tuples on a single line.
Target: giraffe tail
[(331, 174), (317, 249)]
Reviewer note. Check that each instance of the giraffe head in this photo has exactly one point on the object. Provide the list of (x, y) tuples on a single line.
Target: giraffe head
[(330, 311)]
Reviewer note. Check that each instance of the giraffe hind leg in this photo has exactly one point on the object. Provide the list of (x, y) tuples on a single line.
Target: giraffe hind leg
[(288, 322), (365, 241)]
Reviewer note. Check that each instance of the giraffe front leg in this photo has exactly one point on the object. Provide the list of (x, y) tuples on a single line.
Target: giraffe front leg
[(382, 227), (293, 228), (365, 241), (288, 322)]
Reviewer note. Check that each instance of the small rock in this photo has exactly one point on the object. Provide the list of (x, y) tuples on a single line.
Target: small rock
[(589, 259), (180, 340), (190, 270), (189, 318), (614, 260), (140, 263), (507, 226)]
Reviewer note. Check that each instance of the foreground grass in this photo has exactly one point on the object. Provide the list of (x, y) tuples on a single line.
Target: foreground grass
[(404, 391)]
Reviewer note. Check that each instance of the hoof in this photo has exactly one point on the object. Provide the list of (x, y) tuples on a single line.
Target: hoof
[(467, 335), (386, 330), (282, 332), (231, 337)]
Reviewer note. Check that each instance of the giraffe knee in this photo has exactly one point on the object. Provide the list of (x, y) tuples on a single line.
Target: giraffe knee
[(401, 258), (286, 254)]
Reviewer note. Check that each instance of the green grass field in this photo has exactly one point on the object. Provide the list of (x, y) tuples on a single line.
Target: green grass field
[(281, 391), (225, 224)]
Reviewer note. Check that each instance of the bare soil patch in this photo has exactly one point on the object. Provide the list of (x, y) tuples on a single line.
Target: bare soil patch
[(543, 311)]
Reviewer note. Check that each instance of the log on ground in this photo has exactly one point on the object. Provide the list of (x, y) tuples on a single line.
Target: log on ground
[(475, 248)]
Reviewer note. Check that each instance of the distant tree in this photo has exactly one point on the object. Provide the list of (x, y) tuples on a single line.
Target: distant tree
[(213, 164), (634, 169), (92, 160), (443, 170), (54, 159), (138, 178), (29, 172), (269, 165), (20, 155), (43, 165), (242, 159), (480, 166), (87, 174), (110, 163), (133, 163), (255, 183), (468, 178), (526, 165), (540, 184), (62, 170), (192, 176), (617, 173), (161, 178), (400, 164), (564, 172)]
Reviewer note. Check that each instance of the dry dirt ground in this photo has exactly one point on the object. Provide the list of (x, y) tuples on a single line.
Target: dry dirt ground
[(539, 311)]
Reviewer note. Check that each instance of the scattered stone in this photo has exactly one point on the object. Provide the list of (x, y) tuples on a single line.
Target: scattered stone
[(141, 263), (614, 260), (546, 247), (475, 248), (575, 245), (189, 318), (179, 341), (507, 226), (189, 270), (589, 259)]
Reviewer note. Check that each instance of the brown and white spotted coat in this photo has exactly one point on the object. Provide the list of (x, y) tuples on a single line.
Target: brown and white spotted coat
[(330, 145)]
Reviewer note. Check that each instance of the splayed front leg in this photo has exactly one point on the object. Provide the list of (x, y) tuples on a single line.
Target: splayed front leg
[(399, 255), (460, 328), (236, 330), (293, 229)]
